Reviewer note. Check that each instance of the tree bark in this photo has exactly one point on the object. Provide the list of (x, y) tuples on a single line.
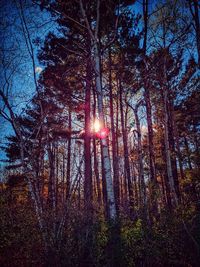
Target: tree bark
[(96, 163), (88, 190), (167, 149), (141, 168), (127, 170), (68, 175), (104, 145), (114, 148)]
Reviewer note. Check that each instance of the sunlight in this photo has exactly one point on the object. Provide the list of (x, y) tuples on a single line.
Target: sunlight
[(96, 126), (103, 133)]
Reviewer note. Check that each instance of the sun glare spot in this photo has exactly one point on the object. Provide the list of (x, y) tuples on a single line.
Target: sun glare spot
[(96, 126)]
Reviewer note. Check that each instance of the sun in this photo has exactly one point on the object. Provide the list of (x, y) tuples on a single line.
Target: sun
[(96, 126)]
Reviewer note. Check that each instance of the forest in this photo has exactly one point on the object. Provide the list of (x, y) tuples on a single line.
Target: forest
[(100, 133)]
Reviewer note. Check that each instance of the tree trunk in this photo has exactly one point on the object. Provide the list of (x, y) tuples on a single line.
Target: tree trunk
[(104, 145), (114, 148), (96, 163), (167, 149), (188, 153), (51, 184), (172, 147), (141, 169), (178, 152), (127, 170), (68, 178), (87, 143)]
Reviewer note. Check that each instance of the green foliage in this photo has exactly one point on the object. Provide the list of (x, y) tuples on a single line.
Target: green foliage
[(132, 242)]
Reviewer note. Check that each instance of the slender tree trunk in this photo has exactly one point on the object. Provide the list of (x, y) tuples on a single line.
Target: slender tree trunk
[(188, 153), (172, 147), (147, 99), (96, 171), (141, 169), (121, 196), (164, 198), (88, 189), (178, 151), (96, 163), (51, 184), (127, 170), (150, 135), (167, 149), (197, 147), (154, 184), (68, 175), (57, 176), (114, 149), (163, 174), (135, 183), (104, 144), (152, 169), (63, 179)]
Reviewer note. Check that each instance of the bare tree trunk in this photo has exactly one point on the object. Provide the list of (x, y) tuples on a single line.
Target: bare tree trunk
[(172, 147), (167, 149), (150, 136), (87, 144), (164, 198), (104, 191), (135, 186), (179, 155), (154, 184), (51, 184), (97, 68), (126, 153), (117, 150), (187, 152), (197, 147), (96, 171), (68, 175), (114, 149), (141, 169), (96, 163), (57, 177), (165, 177), (63, 179), (105, 152)]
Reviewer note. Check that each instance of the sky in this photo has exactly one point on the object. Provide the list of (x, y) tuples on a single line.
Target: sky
[(17, 64)]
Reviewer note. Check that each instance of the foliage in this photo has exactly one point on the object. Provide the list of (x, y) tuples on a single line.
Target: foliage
[(172, 241), (20, 242)]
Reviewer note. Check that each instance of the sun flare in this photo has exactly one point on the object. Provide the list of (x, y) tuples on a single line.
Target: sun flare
[(96, 126)]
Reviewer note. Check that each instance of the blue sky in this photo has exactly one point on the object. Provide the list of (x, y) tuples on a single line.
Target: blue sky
[(17, 64)]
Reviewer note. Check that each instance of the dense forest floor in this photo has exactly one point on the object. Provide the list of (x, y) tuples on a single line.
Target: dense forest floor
[(171, 240)]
